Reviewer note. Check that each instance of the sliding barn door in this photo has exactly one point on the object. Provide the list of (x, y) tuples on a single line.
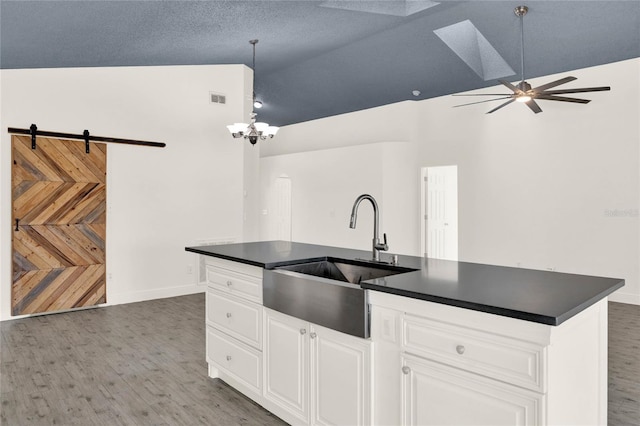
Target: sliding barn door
[(59, 224)]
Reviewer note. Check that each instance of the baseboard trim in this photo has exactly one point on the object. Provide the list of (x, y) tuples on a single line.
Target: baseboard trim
[(129, 297), (159, 293)]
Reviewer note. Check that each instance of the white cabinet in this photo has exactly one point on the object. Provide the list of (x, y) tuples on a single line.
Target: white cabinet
[(440, 365), (449, 376), (302, 372), (286, 364), (314, 375), (234, 324), (435, 394), (425, 364)]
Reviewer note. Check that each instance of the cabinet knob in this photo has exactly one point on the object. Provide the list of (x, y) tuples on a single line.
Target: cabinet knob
[(312, 335), (303, 331), (228, 357), (229, 283), (460, 349), (406, 369), (228, 314)]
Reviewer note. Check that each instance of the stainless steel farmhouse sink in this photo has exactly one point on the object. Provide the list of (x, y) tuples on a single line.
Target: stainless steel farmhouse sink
[(325, 292)]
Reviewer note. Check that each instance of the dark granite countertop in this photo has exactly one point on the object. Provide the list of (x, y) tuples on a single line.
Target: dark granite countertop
[(539, 296)]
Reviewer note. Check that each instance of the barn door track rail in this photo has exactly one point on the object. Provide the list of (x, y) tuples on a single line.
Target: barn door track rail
[(85, 136)]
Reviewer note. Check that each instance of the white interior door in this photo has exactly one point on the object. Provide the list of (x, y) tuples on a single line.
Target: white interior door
[(440, 212)]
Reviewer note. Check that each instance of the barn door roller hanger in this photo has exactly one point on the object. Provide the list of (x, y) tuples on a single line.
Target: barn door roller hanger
[(85, 136)]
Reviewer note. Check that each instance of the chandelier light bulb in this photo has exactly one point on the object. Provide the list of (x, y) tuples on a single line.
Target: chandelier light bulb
[(257, 104)]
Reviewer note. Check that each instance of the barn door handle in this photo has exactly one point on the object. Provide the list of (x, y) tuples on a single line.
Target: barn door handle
[(17, 221)]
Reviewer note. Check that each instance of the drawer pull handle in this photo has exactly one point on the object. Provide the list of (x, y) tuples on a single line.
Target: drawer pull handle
[(228, 314), (229, 283), (228, 357), (460, 349), (406, 370), (303, 331), (312, 335)]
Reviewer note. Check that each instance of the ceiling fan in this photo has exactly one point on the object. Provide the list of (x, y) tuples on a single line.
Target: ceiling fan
[(524, 93)]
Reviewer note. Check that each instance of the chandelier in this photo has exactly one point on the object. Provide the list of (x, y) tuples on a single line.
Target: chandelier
[(254, 130)]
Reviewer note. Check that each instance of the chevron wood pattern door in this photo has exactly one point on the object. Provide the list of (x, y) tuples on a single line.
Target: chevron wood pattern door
[(59, 203)]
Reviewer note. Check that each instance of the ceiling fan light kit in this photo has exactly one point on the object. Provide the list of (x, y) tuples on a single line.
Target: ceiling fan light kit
[(524, 93)]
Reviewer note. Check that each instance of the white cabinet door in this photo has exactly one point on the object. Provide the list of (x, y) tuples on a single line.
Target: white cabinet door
[(314, 375), (340, 378), (286, 363), (434, 394)]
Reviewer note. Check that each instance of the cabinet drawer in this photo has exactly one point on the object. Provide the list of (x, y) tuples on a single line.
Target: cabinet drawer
[(510, 360), (232, 282), (237, 317), (234, 358), (238, 267)]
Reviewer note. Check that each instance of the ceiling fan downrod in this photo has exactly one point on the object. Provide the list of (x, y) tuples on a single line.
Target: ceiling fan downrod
[(520, 11)]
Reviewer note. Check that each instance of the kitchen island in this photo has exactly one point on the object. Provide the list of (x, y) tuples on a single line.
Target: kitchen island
[(451, 343)]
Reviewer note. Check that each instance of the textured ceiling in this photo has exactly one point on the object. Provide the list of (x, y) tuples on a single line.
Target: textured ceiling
[(322, 58)]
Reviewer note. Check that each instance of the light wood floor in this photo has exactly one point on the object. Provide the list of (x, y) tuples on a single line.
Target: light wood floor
[(143, 364), (135, 364)]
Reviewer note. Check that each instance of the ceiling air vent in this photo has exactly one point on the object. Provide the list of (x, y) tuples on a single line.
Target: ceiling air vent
[(217, 98)]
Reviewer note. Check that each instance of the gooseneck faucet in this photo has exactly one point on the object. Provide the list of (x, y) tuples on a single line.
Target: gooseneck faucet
[(377, 245)]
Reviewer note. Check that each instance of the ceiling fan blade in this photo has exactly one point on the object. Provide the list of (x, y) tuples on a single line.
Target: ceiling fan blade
[(562, 99), (503, 105), (513, 88), (582, 90), (533, 106), (554, 84), (481, 102), (482, 94)]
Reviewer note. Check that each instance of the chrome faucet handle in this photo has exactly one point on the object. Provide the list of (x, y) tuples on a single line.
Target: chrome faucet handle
[(382, 246)]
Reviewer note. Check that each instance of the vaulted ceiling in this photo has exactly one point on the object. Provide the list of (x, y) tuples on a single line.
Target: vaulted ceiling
[(322, 58)]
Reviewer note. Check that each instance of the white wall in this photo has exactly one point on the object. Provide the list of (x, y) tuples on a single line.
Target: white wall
[(325, 184), (159, 200), (559, 189)]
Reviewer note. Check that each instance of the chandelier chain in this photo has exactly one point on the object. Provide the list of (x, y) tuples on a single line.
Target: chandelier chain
[(253, 43)]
